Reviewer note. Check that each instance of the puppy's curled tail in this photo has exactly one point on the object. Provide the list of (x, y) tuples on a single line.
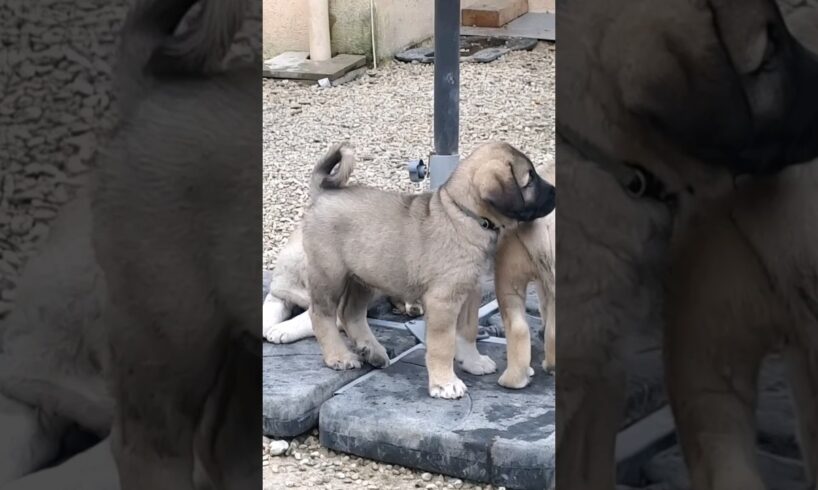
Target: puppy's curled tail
[(340, 155), (150, 45)]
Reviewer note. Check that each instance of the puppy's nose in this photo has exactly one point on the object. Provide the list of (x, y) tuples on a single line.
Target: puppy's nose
[(548, 202)]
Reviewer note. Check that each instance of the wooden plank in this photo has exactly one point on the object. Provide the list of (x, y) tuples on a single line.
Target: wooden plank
[(493, 13)]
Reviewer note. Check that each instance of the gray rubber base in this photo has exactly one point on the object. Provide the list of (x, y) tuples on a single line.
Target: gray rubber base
[(296, 381), (778, 473), (494, 435)]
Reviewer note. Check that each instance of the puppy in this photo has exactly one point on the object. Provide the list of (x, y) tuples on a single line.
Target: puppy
[(180, 170), (744, 286), (288, 285), (431, 246), (525, 255)]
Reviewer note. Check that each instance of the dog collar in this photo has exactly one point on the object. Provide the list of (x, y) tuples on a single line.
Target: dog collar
[(634, 178), (484, 222)]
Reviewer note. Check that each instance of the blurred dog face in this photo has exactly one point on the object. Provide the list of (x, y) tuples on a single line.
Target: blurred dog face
[(705, 84), (724, 79)]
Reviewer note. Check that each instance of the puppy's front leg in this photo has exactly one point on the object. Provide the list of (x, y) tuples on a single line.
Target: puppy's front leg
[(441, 318), (466, 351)]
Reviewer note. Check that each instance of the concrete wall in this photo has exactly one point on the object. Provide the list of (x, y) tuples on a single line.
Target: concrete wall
[(398, 23)]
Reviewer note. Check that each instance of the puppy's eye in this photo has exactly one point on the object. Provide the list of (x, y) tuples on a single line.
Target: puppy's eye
[(532, 176)]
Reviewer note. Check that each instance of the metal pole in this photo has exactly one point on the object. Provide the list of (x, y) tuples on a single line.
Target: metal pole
[(447, 92)]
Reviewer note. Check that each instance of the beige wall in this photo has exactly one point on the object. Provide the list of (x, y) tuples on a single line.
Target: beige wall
[(284, 26), (398, 23)]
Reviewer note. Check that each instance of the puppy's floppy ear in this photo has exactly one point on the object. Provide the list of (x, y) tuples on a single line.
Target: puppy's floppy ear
[(505, 195)]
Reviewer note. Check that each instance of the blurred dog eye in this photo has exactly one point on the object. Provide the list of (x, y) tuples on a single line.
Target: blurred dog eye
[(769, 50)]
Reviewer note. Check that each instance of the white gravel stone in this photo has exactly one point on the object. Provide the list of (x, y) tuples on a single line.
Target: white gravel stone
[(277, 448)]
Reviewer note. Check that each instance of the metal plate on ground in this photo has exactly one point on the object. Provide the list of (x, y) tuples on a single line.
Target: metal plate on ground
[(493, 434), (296, 381)]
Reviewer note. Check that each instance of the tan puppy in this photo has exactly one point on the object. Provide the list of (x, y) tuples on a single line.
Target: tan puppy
[(744, 286), (288, 284), (527, 255), (432, 246)]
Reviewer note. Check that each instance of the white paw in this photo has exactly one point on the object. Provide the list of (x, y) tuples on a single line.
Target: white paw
[(287, 332), (479, 365), (516, 379), (448, 391), (278, 334)]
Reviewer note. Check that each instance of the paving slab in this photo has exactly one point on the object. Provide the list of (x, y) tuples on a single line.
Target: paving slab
[(296, 381), (494, 435), (297, 65), (533, 25)]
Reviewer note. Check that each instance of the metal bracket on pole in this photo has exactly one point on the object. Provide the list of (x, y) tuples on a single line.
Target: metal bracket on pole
[(446, 92), (445, 157)]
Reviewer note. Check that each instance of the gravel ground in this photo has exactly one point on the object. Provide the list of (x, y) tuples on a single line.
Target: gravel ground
[(387, 115), (56, 107), (308, 465), (55, 104)]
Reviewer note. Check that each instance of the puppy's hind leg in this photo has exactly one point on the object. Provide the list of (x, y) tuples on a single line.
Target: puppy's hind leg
[(296, 328), (466, 352), (548, 313), (352, 314), (325, 294), (511, 298)]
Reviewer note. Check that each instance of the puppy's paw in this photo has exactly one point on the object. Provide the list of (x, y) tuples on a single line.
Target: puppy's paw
[(343, 362), (479, 365), (449, 391), (374, 353), (515, 378), (277, 335), (549, 368), (414, 309)]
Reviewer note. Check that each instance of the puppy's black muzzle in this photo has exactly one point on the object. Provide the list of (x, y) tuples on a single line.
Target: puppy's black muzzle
[(540, 199)]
